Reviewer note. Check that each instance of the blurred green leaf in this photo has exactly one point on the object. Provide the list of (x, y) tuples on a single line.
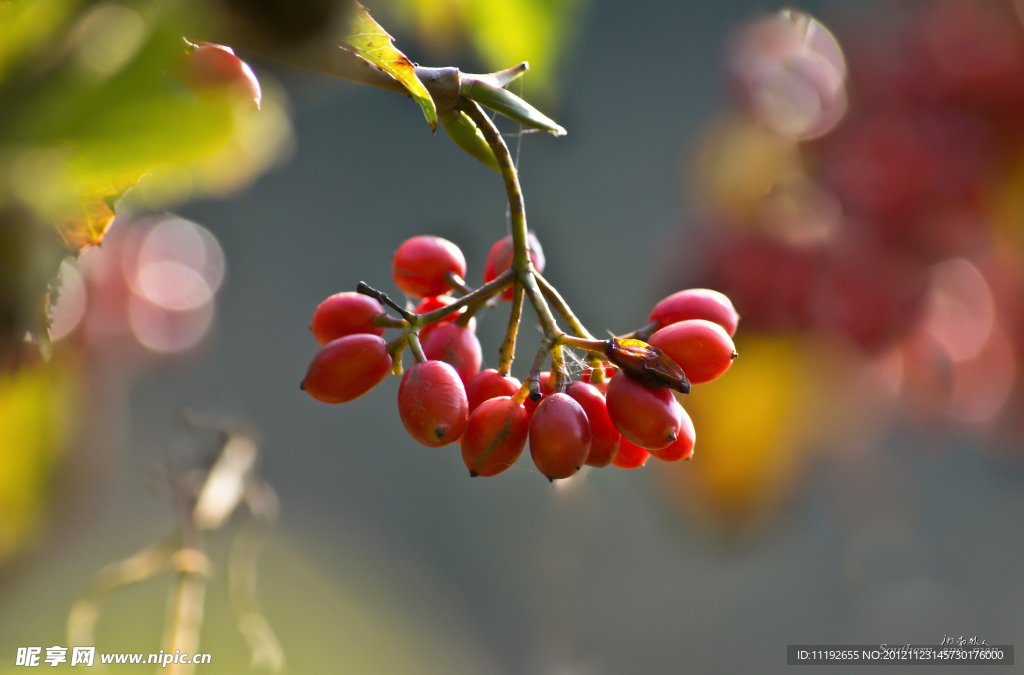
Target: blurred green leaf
[(501, 31), (371, 42), (26, 28)]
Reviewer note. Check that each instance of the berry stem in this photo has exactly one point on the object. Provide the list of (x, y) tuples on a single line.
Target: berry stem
[(535, 286), (478, 296), (508, 348), (558, 302), (558, 370), (590, 346), (517, 207), (395, 348), (532, 382), (643, 334), (382, 297), (457, 283), (388, 321), (517, 211), (577, 327), (417, 349)]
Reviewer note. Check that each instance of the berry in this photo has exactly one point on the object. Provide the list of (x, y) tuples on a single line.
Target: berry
[(604, 438), (702, 349), (432, 403), (427, 305), (213, 70), (420, 265), (696, 303), (500, 259), (495, 436), (454, 345), (601, 386), (488, 384), (346, 368), (345, 314), (559, 436), (683, 447), (630, 455), (650, 418)]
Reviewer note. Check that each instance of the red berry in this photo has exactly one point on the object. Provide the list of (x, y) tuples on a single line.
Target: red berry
[(601, 386), (346, 368), (432, 403), (495, 436), (427, 305), (683, 447), (500, 259), (213, 70), (696, 303), (454, 345), (559, 436), (345, 314), (648, 417), (630, 456), (488, 384), (702, 349), (420, 265), (604, 439)]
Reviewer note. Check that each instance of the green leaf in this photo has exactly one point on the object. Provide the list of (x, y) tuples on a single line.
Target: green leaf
[(482, 90), (368, 40)]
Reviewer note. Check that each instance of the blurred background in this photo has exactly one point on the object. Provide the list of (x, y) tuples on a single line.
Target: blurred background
[(853, 181)]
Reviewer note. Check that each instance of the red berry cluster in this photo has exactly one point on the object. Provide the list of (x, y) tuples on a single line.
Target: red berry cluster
[(620, 414), (848, 227)]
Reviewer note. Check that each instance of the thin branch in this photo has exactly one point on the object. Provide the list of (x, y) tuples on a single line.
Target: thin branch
[(417, 349), (144, 565), (507, 352), (560, 306), (383, 298), (388, 321), (457, 283)]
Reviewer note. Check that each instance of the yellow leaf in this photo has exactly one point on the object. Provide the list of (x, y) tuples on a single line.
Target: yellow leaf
[(368, 40)]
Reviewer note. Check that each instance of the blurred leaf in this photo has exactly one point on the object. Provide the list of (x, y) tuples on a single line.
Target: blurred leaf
[(89, 227), (750, 439), (371, 42), (27, 27), (501, 31), (37, 406)]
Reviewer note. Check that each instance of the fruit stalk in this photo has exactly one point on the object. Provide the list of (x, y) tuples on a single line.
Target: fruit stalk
[(508, 348), (517, 210), (577, 327)]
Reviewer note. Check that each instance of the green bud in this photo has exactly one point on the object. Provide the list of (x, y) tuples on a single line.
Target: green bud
[(464, 132), (508, 104)]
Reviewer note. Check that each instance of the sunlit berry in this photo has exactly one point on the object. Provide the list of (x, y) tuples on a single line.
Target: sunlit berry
[(495, 436), (346, 368), (432, 403), (559, 436), (421, 264), (345, 314)]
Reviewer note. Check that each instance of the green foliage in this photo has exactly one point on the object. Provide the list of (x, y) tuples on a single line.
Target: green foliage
[(501, 31)]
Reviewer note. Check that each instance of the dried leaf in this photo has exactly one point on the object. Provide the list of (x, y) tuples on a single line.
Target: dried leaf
[(370, 41), (647, 365), (89, 225)]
